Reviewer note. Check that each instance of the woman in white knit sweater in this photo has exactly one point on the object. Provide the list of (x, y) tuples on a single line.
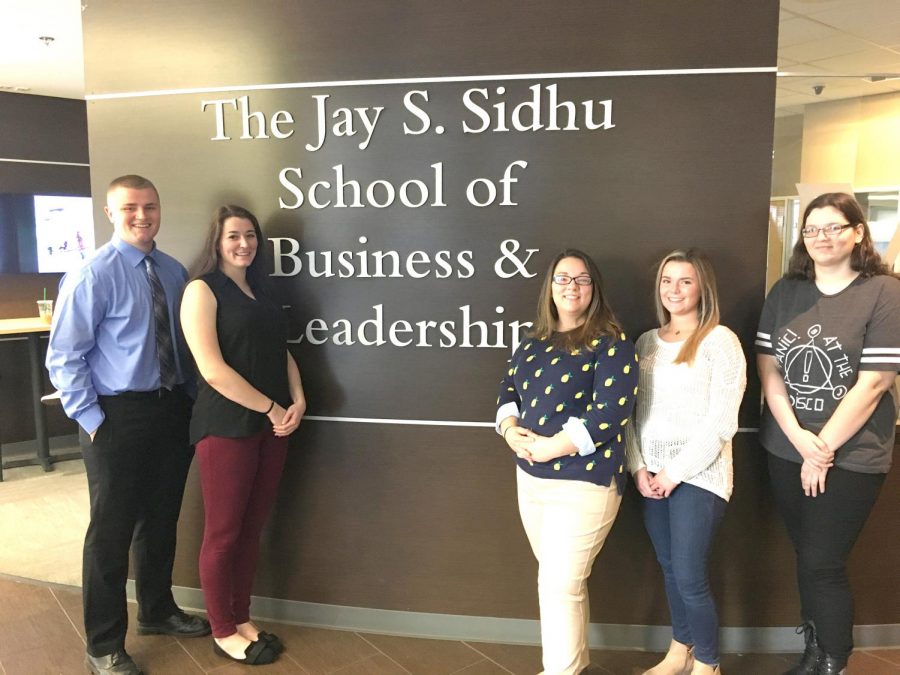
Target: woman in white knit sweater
[(692, 379)]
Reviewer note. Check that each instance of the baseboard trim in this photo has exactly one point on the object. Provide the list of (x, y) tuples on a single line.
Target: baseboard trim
[(776, 639)]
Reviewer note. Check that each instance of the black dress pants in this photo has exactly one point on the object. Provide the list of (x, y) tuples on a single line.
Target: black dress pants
[(136, 470), (823, 530)]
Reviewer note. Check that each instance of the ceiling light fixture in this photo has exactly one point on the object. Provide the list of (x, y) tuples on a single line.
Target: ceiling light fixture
[(881, 77)]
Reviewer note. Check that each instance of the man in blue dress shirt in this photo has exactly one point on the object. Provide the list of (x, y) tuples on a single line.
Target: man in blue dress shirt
[(131, 391)]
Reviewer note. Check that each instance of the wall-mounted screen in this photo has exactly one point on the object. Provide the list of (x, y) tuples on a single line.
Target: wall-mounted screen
[(44, 233)]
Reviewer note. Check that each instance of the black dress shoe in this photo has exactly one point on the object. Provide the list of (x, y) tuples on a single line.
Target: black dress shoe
[(117, 663), (179, 625)]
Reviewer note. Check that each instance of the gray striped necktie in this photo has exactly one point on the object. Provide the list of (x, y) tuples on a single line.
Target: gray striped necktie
[(168, 374)]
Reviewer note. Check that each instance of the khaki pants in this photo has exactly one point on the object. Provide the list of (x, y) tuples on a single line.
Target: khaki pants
[(566, 522)]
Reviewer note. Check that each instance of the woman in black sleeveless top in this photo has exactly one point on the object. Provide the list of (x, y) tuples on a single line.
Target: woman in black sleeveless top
[(250, 400)]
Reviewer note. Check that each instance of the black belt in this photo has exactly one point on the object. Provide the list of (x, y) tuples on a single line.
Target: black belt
[(162, 392)]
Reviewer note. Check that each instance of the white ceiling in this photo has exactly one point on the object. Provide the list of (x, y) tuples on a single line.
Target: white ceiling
[(27, 65), (835, 43)]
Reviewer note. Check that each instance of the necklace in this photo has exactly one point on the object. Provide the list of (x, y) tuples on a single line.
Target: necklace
[(680, 330)]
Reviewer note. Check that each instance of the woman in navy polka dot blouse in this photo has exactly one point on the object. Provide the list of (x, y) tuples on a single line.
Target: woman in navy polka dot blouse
[(566, 397)]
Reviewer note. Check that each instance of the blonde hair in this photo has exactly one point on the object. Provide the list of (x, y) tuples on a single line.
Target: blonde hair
[(707, 307)]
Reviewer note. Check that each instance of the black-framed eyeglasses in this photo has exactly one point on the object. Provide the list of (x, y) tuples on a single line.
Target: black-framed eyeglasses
[(830, 229), (565, 279)]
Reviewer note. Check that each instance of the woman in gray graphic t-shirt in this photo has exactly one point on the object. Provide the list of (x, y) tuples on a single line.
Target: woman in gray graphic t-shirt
[(828, 352)]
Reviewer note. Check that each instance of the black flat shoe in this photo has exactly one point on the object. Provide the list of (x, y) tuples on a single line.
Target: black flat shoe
[(179, 625), (258, 653), (117, 663), (272, 640)]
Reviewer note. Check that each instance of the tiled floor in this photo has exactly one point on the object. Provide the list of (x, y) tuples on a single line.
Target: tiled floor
[(41, 632)]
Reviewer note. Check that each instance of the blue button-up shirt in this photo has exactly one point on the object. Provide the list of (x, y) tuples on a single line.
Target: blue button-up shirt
[(103, 339)]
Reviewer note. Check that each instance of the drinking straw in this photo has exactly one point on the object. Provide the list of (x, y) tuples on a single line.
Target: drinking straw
[(45, 293)]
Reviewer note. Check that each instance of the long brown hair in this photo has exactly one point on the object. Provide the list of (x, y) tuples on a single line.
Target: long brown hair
[(598, 318), (707, 307), (864, 258), (209, 258)]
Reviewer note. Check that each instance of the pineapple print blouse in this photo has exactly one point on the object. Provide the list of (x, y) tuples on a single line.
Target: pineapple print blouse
[(589, 393)]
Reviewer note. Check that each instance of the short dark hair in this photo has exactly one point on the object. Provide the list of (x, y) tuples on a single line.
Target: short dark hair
[(864, 258), (209, 258)]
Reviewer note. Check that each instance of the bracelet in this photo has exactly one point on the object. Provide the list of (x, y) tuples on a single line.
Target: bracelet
[(269, 409), (507, 429)]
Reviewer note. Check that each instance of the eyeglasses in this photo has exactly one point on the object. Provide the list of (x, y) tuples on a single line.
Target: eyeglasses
[(830, 230), (565, 280)]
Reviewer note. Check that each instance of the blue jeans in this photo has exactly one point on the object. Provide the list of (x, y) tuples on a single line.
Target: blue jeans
[(681, 528)]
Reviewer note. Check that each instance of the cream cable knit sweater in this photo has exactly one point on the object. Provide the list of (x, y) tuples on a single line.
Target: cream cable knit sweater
[(686, 415)]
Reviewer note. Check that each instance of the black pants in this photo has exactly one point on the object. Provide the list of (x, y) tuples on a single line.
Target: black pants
[(823, 530), (136, 470)]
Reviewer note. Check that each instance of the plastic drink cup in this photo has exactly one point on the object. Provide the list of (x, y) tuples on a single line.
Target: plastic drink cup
[(45, 310)]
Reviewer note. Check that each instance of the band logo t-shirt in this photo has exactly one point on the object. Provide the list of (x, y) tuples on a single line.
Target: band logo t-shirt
[(820, 343)]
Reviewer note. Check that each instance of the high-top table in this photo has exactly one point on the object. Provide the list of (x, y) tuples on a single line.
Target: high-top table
[(31, 329)]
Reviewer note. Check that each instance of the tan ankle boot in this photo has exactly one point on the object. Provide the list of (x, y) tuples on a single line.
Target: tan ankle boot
[(678, 661), (701, 668)]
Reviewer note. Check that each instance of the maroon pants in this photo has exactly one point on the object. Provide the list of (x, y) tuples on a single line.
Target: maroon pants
[(239, 478)]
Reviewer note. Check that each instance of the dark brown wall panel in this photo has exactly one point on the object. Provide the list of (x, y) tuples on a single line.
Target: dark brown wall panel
[(43, 128), (424, 518), (207, 44), (432, 527), (623, 195)]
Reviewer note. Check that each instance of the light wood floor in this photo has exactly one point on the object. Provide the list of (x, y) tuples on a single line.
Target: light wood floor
[(41, 632)]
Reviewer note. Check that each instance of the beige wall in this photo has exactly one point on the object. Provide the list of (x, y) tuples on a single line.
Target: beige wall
[(788, 144), (855, 141)]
